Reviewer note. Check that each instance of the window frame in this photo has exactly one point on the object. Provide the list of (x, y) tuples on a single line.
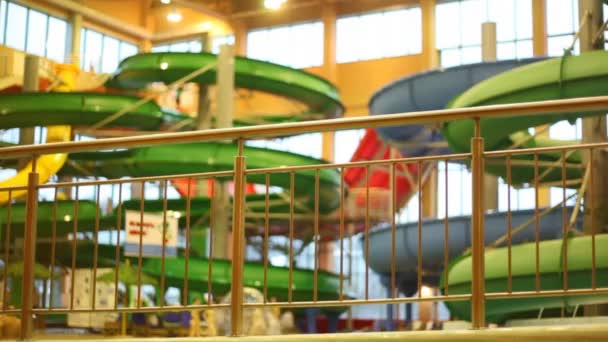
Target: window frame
[(269, 29), (98, 65), (382, 12), (26, 34), (460, 47)]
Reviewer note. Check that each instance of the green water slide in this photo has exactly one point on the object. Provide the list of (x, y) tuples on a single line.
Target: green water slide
[(86, 109), (559, 78), (320, 96), (553, 268)]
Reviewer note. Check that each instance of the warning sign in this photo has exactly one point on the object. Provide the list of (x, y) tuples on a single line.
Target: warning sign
[(152, 230)]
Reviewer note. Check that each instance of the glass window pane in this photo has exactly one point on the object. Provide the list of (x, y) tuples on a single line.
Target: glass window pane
[(347, 42), (111, 53), (127, 50), (92, 51), (525, 48), (180, 47), (471, 55), (556, 45), (378, 35), (561, 16), (2, 20), (524, 20), (221, 40), (472, 15), (17, 17), (505, 51), (413, 25), (502, 12), (57, 39), (195, 46), (36, 33), (298, 46), (450, 57), (160, 48), (447, 24)]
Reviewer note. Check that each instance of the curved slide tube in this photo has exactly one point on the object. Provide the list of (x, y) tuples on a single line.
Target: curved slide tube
[(429, 91), (557, 78), (433, 239), (318, 94), (574, 76), (47, 165), (425, 91), (553, 271)]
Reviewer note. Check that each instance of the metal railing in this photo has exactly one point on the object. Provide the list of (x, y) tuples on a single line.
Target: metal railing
[(478, 159)]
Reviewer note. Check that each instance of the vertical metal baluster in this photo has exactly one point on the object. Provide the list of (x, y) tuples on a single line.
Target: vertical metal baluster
[(564, 223), (96, 246), (341, 290), (7, 239), (163, 251), (509, 227), (367, 172), (291, 228), (211, 224), (536, 222), (74, 242), (393, 230), (117, 255), (188, 240), (266, 234), (419, 268), (141, 242), (592, 204), (316, 238), (446, 234)]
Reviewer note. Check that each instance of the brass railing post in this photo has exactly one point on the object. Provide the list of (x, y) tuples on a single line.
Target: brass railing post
[(29, 253), (477, 231), (238, 239)]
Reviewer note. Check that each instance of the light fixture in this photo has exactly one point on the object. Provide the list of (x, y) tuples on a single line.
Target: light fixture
[(174, 16), (206, 26), (166, 2), (274, 4)]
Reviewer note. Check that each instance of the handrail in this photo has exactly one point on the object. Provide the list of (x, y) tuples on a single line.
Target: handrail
[(584, 104)]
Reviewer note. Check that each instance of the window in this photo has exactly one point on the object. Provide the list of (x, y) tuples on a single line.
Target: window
[(379, 35), (458, 29), (562, 24), (194, 45), (297, 46), (221, 40), (25, 29), (346, 143), (103, 53)]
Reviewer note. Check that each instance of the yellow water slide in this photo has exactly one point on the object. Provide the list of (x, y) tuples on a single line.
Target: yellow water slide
[(50, 164)]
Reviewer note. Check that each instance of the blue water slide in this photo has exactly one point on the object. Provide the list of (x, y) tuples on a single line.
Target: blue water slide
[(429, 90)]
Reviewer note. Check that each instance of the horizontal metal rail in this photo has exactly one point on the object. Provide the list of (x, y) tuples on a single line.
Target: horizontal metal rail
[(585, 104)]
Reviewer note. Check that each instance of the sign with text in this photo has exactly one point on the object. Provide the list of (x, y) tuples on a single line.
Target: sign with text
[(151, 232)]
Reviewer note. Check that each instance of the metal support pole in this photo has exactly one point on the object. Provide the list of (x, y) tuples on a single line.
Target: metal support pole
[(488, 54), (31, 70), (477, 231), (594, 130), (238, 241), (203, 112), (74, 47), (29, 255), (223, 119)]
